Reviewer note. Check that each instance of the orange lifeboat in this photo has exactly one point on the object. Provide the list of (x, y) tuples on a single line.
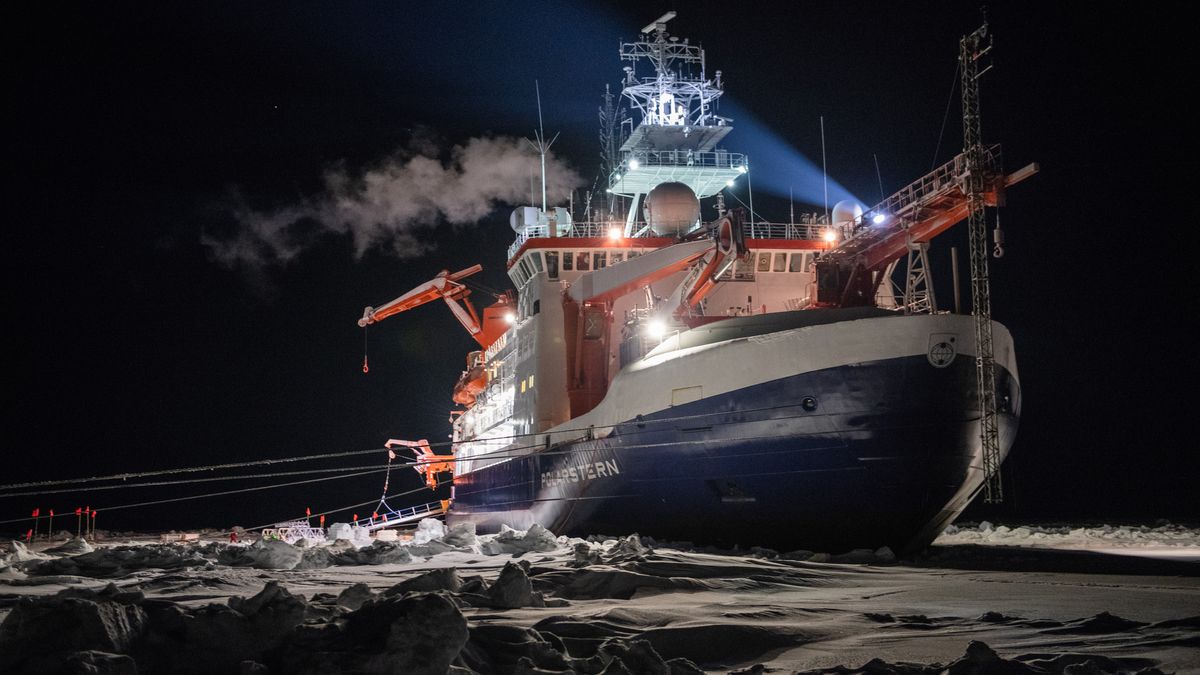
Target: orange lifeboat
[(473, 380)]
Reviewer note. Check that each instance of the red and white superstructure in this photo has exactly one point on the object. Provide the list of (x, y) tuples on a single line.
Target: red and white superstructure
[(715, 378)]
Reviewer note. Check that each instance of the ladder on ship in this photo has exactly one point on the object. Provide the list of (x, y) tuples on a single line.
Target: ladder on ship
[(405, 516)]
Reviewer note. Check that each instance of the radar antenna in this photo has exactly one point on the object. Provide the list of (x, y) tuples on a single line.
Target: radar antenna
[(971, 49)]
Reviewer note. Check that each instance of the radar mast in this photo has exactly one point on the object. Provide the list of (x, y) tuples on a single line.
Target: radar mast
[(666, 81)]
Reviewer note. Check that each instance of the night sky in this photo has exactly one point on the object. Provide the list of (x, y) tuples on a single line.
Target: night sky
[(135, 129)]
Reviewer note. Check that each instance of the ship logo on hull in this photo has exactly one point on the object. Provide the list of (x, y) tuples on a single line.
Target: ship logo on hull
[(942, 349), (582, 472)]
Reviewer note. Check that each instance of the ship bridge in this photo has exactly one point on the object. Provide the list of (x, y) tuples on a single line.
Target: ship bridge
[(676, 140), (706, 173)]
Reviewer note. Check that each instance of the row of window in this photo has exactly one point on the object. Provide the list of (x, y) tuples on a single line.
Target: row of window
[(583, 261), (533, 263)]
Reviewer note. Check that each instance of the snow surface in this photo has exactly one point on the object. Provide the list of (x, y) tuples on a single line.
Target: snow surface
[(449, 600), (1165, 540)]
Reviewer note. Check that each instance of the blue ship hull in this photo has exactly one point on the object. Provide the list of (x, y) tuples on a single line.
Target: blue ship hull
[(884, 457)]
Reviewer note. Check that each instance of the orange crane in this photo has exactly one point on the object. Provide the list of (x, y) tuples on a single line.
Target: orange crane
[(448, 287), (849, 274), (428, 463)]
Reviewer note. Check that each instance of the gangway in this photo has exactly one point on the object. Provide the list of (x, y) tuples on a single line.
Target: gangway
[(293, 531), (404, 516)]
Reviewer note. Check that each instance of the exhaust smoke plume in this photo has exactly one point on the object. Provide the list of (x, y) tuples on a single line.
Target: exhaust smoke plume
[(391, 204)]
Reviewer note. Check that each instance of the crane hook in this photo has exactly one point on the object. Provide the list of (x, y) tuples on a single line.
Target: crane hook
[(998, 238), (365, 367)]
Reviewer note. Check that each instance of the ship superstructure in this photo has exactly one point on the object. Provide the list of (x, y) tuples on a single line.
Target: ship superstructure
[(726, 380)]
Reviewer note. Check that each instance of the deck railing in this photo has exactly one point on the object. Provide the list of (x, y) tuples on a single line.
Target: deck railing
[(900, 204)]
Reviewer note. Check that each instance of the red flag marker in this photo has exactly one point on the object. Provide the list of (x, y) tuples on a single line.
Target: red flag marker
[(322, 521), (78, 510), (35, 513)]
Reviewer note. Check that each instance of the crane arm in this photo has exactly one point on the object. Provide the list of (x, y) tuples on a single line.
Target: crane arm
[(730, 243), (446, 286), (428, 464)]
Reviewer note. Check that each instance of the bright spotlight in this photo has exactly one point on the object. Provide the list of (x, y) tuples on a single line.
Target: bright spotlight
[(656, 328), (729, 183), (608, 190), (614, 233), (742, 169), (510, 318), (634, 164), (829, 236), (878, 218), (617, 177)]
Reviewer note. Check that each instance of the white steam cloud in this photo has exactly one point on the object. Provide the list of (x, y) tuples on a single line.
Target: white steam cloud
[(391, 204)]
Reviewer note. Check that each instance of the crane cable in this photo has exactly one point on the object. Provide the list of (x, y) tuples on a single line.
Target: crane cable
[(119, 486), (504, 452), (945, 117), (213, 494), (366, 367)]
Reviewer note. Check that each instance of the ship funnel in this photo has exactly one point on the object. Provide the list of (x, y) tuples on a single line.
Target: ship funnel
[(672, 209)]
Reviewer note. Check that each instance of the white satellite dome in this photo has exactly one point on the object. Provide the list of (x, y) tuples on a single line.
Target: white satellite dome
[(847, 213)]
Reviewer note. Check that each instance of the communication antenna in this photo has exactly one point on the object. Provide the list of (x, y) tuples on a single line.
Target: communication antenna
[(541, 146), (879, 176), (824, 170)]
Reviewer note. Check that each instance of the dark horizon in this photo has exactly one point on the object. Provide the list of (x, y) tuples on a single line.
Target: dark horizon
[(137, 127)]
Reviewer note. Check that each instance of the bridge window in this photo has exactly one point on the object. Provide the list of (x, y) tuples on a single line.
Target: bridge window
[(617, 256), (552, 264), (780, 262), (568, 261), (537, 261), (581, 261), (796, 263), (764, 262), (599, 259)]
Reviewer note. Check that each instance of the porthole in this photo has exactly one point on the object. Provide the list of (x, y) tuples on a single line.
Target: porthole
[(808, 403)]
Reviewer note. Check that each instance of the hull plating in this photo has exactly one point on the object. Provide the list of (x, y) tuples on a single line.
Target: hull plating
[(888, 454)]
